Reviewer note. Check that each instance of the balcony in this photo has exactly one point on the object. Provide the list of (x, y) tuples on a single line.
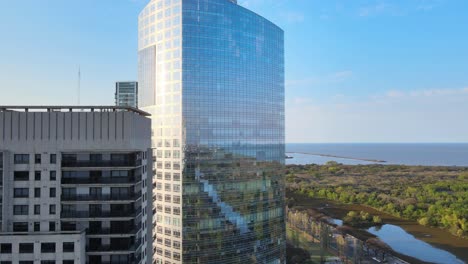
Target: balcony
[(101, 214), (100, 164), (100, 232), (115, 248), (102, 180), (101, 197), (133, 260)]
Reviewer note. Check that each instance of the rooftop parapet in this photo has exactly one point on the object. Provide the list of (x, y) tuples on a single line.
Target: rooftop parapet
[(72, 109)]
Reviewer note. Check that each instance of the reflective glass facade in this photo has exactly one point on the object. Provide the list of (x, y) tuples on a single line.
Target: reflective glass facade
[(212, 74), (126, 94)]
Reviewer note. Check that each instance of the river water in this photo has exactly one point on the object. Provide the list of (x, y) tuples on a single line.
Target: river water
[(429, 154), (404, 243)]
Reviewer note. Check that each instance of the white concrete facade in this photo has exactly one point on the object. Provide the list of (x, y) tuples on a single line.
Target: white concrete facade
[(45, 152)]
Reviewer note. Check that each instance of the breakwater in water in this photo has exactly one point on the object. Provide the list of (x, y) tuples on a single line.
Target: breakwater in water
[(339, 157)]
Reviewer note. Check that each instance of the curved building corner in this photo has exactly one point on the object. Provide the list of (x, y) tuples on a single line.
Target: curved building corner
[(211, 73)]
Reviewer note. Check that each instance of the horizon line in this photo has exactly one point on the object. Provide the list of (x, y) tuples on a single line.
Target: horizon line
[(435, 142)]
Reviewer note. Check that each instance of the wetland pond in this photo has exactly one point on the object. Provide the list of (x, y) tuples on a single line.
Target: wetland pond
[(405, 243)]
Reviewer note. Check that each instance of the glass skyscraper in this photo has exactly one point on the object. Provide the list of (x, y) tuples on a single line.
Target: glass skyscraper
[(211, 73)]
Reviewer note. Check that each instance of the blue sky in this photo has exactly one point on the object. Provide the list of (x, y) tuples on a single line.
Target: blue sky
[(356, 70)]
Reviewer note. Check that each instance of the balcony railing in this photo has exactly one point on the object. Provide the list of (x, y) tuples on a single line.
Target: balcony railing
[(101, 197), (100, 214), (100, 163), (103, 180), (114, 231), (134, 260), (131, 247)]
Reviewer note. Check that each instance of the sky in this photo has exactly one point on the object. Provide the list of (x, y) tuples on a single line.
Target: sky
[(356, 70)]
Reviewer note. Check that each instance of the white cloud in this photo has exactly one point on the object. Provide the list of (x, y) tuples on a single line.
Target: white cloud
[(334, 77), (292, 16), (427, 5), (373, 9), (395, 93), (426, 93), (432, 115)]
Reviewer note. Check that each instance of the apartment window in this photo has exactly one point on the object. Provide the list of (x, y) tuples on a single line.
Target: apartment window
[(20, 227), (52, 226), (167, 176), (176, 244), (21, 158), (159, 175), (176, 176), (176, 199), (53, 175), (167, 209), (167, 198), (37, 209), (5, 248), (37, 175), (68, 247), (159, 240), (167, 242), (176, 233), (20, 210), (177, 210), (37, 159), (47, 247), (167, 254), (176, 256), (21, 193), (21, 175), (53, 158), (52, 192), (37, 192), (37, 226), (167, 187), (52, 209), (176, 188), (26, 248)]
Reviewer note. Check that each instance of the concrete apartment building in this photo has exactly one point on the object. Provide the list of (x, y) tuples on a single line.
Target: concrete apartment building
[(74, 185)]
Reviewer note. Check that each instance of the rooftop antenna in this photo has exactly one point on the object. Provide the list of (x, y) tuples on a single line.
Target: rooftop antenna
[(79, 83)]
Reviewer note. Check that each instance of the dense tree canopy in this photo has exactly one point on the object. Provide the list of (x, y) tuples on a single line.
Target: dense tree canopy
[(432, 196)]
